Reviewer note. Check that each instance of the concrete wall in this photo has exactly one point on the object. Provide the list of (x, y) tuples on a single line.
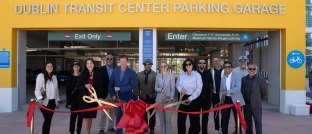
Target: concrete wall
[(274, 68), (21, 78)]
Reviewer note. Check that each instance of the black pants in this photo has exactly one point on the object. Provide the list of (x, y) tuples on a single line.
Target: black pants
[(47, 117), (205, 104), (226, 113), (256, 114), (73, 118), (215, 101), (152, 120), (194, 118)]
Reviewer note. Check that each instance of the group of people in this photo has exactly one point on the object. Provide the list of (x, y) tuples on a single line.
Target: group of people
[(198, 87)]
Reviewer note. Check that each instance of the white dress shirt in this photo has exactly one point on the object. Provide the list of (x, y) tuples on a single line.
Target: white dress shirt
[(192, 83), (228, 82), (51, 88)]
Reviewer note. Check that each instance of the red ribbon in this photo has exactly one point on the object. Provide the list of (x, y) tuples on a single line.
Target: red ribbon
[(133, 117), (240, 115), (31, 109), (30, 113)]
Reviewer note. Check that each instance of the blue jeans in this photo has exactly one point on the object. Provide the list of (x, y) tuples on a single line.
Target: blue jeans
[(118, 117)]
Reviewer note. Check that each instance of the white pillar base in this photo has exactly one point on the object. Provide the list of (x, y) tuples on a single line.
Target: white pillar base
[(9, 100), (294, 98), (299, 109)]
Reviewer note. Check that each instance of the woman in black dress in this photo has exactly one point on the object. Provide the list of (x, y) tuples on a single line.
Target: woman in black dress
[(72, 98), (90, 77)]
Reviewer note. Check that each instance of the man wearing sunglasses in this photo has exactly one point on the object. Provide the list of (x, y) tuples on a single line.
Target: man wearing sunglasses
[(205, 95), (107, 70), (145, 89), (230, 92), (254, 91)]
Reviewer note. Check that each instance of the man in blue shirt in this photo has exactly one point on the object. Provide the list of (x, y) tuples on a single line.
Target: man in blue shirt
[(121, 84)]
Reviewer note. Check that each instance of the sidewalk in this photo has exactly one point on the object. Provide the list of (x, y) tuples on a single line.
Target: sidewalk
[(273, 123)]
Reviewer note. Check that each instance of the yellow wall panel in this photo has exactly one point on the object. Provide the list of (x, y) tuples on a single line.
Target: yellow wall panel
[(293, 23)]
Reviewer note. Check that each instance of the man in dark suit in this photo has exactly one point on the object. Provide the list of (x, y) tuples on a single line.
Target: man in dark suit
[(122, 84), (217, 72), (106, 72), (253, 90), (205, 95)]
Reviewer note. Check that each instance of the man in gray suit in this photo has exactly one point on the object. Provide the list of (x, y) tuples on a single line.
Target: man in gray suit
[(230, 91), (146, 90), (253, 90)]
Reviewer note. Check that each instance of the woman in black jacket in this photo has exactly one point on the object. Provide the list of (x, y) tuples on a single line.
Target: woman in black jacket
[(72, 98), (90, 77)]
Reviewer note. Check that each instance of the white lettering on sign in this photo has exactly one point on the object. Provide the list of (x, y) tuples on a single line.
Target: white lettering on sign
[(259, 9), (201, 8), (143, 7), (178, 36), (80, 36), (89, 8), (88, 36), (36, 9), (94, 36), (151, 7)]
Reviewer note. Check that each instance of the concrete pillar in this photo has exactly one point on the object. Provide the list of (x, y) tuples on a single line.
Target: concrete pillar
[(292, 93), (147, 42), (21, 71), (274, 68), (8, 87)]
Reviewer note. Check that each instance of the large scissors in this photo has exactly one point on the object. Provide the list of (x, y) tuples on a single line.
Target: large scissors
[(179, 102), (93, 98)]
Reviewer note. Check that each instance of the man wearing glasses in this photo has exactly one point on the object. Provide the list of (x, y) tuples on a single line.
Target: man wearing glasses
[(254, 91), (205, 95), (230, 92), (146, 89), (107, 70)]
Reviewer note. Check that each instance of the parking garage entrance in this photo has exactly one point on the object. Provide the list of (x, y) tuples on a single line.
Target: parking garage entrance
[(62, 47)]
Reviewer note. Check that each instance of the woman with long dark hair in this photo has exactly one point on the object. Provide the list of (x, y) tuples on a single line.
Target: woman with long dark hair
[(72, 98), (47, 94), (89, 78)]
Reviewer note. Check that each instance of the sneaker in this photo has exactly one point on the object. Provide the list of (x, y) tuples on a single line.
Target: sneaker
[(101, 132), (111, 130)]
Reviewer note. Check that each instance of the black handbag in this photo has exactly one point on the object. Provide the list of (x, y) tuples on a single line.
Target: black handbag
[(44, 94)]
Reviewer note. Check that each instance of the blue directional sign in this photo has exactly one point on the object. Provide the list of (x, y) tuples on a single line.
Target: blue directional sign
[(295, 59), (245, 37), (147, 44), (4, 59)]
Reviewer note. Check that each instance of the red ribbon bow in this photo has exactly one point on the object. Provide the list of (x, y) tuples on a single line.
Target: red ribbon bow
[(133, 117)]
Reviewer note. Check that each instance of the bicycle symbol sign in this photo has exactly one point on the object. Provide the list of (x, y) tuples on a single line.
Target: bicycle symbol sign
[(295, 59)]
